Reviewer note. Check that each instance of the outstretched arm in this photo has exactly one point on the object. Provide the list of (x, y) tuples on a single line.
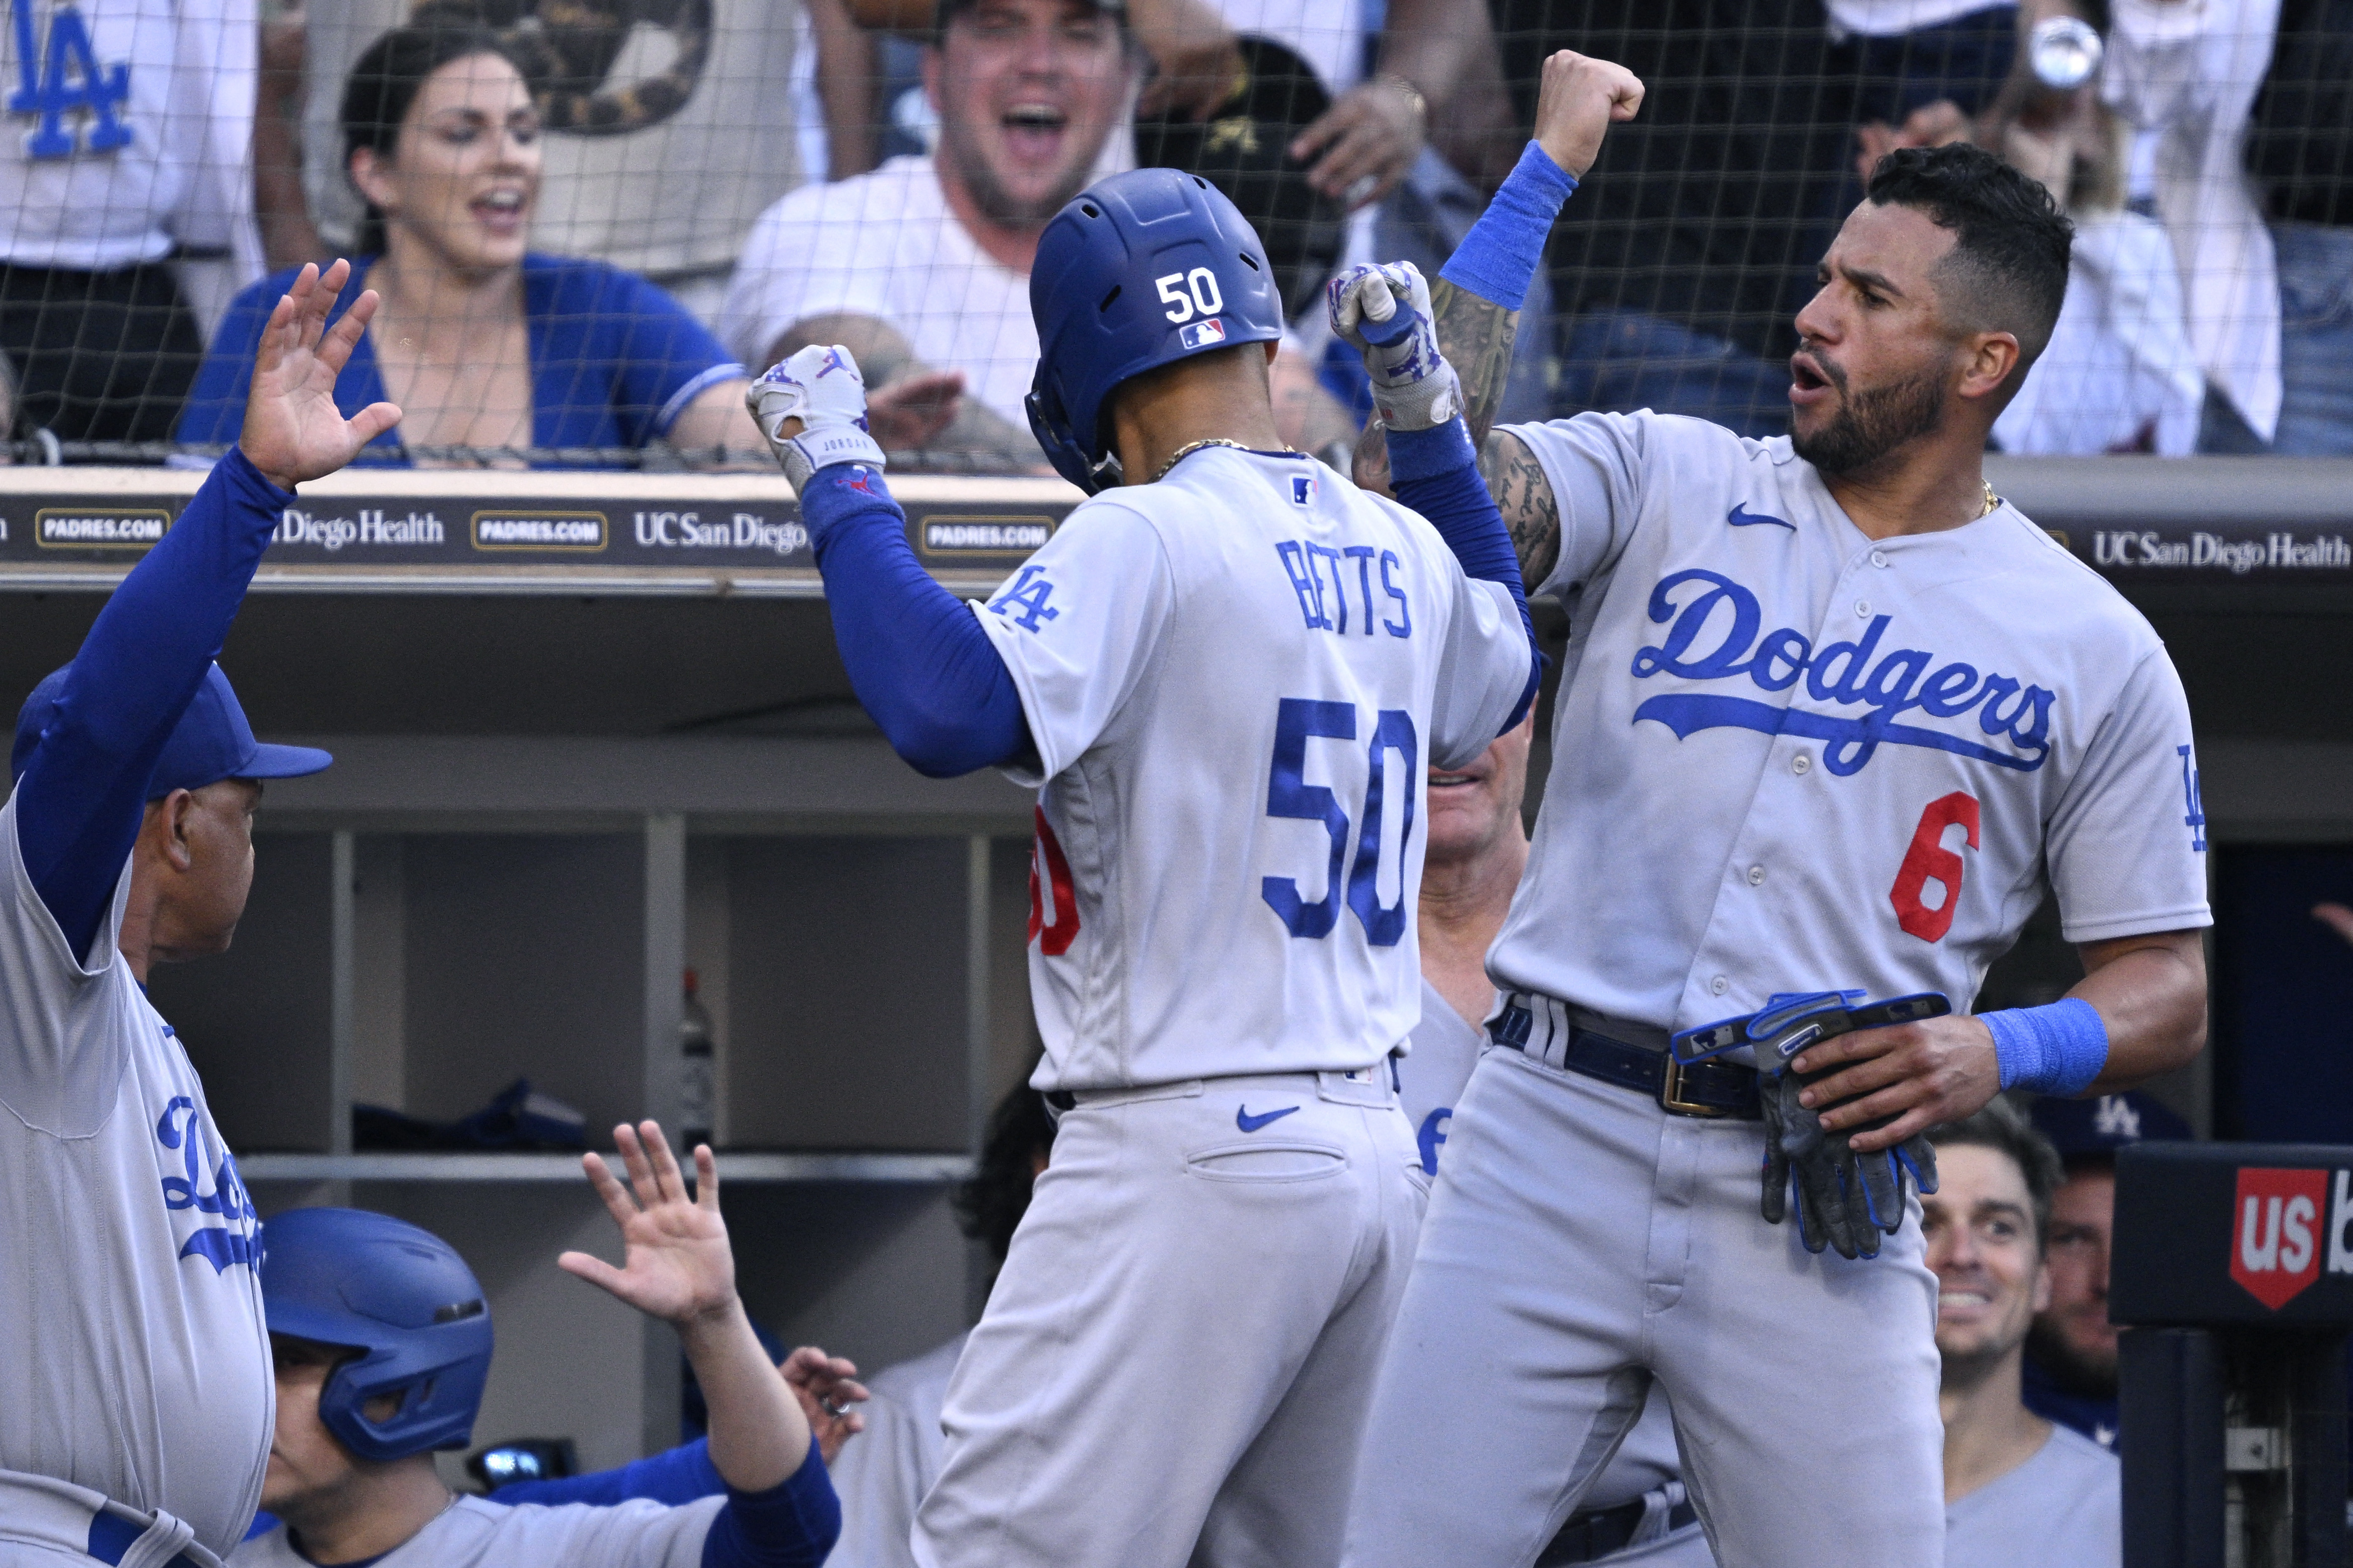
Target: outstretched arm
[(82, 792), (1476, 300)]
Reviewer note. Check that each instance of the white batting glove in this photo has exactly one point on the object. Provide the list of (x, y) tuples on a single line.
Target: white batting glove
[(820, 386), (1384, 313)]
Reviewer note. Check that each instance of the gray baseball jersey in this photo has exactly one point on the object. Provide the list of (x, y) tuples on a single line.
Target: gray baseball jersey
[(136, 1362), (2061, 1509), (884, 1471), (1787, 758), (1234, 678), (1829, 762), (476, 1532)]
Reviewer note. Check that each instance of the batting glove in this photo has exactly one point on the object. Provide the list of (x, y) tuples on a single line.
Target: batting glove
[(1845, 1200), (820, 386), (1384, 313)]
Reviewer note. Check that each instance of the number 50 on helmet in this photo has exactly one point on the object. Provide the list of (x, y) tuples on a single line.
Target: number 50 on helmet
[(1138, 271)]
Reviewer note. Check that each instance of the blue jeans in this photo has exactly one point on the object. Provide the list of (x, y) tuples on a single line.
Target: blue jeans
[(1624, 360), (2316, 285)]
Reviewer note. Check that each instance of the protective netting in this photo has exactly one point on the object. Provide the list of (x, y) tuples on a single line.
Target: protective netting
[(588, 219)]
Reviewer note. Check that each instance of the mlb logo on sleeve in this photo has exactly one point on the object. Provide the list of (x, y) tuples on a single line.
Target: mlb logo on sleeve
[(1212, 330)]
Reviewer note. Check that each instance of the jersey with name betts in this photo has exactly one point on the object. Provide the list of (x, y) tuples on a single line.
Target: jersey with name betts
[(1236, 678), (1789, 758), (137, 1361)]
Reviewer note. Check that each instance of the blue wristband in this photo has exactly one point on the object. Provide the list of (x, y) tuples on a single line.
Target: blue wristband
[(2055, 1050), (1425, 454), (1498, 258)]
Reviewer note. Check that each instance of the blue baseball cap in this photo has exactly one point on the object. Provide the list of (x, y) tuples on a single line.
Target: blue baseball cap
[(2097, 1128), (211, 742)]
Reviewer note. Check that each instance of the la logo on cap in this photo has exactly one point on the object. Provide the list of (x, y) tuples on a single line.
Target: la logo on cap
[(2275, 1233)]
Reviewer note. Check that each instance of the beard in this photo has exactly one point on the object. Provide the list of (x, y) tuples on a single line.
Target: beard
[(996, 204), (1870, 424), (2085, 1376)]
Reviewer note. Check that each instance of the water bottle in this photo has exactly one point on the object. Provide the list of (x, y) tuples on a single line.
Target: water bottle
[(695, 1087)]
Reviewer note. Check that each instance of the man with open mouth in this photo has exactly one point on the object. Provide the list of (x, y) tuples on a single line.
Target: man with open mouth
[(1831, 714)]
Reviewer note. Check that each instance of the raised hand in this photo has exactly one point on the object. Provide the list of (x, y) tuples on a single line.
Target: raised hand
[(1383, 312), (678, 1266), (293, 431), (1579, 99), (812, 409)]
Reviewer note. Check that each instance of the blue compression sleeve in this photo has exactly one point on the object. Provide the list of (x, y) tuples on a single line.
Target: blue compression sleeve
[(1499, 257), (2058, 1049), (84, 789), (680, 1475), (1434, 475), (793, 1524), (918, 660)]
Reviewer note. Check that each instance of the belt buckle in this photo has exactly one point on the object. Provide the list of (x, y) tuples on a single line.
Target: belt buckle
[(1671, 1095)]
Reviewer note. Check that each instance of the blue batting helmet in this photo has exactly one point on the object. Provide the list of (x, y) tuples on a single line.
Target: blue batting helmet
[(406, 1301), (1138, 271)]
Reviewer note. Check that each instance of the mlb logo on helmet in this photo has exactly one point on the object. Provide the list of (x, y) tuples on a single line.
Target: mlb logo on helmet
[(1212, 330), (2276, 1243)]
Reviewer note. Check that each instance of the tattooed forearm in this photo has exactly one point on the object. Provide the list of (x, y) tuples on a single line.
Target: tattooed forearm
[(1476, 337), (1525, 497)]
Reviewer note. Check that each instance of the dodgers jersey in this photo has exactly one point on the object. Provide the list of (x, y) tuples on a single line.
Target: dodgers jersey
[(1789, 758), (1235, 679), (136, 1361), (2064, 1506), (480, 1532)]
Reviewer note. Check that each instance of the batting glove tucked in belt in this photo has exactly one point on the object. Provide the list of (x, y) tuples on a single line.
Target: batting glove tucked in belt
[(818, 385), (1844, 1199), (1383, 312)]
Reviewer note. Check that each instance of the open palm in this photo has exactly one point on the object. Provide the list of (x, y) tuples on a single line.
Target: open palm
[(678, 1265), (293, 431)]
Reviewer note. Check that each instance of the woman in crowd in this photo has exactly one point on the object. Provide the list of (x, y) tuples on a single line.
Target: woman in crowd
[(487, 345)]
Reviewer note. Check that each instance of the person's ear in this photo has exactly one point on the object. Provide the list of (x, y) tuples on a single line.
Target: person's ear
[(370, 177), (1989, 358), (2041, 1292), (175, 816)]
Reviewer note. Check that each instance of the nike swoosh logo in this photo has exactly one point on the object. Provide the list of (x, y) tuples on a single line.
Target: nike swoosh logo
[(1741, 517), (1248, 1123)]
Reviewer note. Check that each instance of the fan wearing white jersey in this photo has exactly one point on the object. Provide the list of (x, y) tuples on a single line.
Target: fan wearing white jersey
[(1830, 717), (1637, 1511), (134, 1372), (1227, 678)]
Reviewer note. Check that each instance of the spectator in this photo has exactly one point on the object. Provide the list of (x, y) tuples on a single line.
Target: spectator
[(1673, 267), (367, 1391), (922, 267), (485, 345), (885, 1472), (2018, 1489), (1914, 63), (135, 120), (2254, 124), (2070, 1355), (672, 124)]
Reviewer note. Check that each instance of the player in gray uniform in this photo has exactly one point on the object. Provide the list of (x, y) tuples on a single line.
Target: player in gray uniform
[(1830, 715), (1225, 676), (136, 1408), (1637, 1511), (2019, 1491), (382, 1343)]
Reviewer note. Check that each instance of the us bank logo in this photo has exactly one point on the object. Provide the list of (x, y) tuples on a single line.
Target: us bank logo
[(2286, 1227)]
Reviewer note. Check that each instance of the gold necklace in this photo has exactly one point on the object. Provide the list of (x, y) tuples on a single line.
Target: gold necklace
[(1181, 453), (1991, 500)]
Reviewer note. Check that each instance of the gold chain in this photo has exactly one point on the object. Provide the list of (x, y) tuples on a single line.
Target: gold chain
[(1187, 450), (1991, 500)]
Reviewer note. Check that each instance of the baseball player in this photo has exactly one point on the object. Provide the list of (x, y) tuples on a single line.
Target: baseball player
[(381, 1339), (1830, 713), (1637, 1511), (136, 1416), (1226, 676)]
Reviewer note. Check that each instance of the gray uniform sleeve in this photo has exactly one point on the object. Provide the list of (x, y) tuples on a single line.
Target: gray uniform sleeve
[(1595, 464), (1481, 672), (59, 1068), (2127, 842), (635, 1534)]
